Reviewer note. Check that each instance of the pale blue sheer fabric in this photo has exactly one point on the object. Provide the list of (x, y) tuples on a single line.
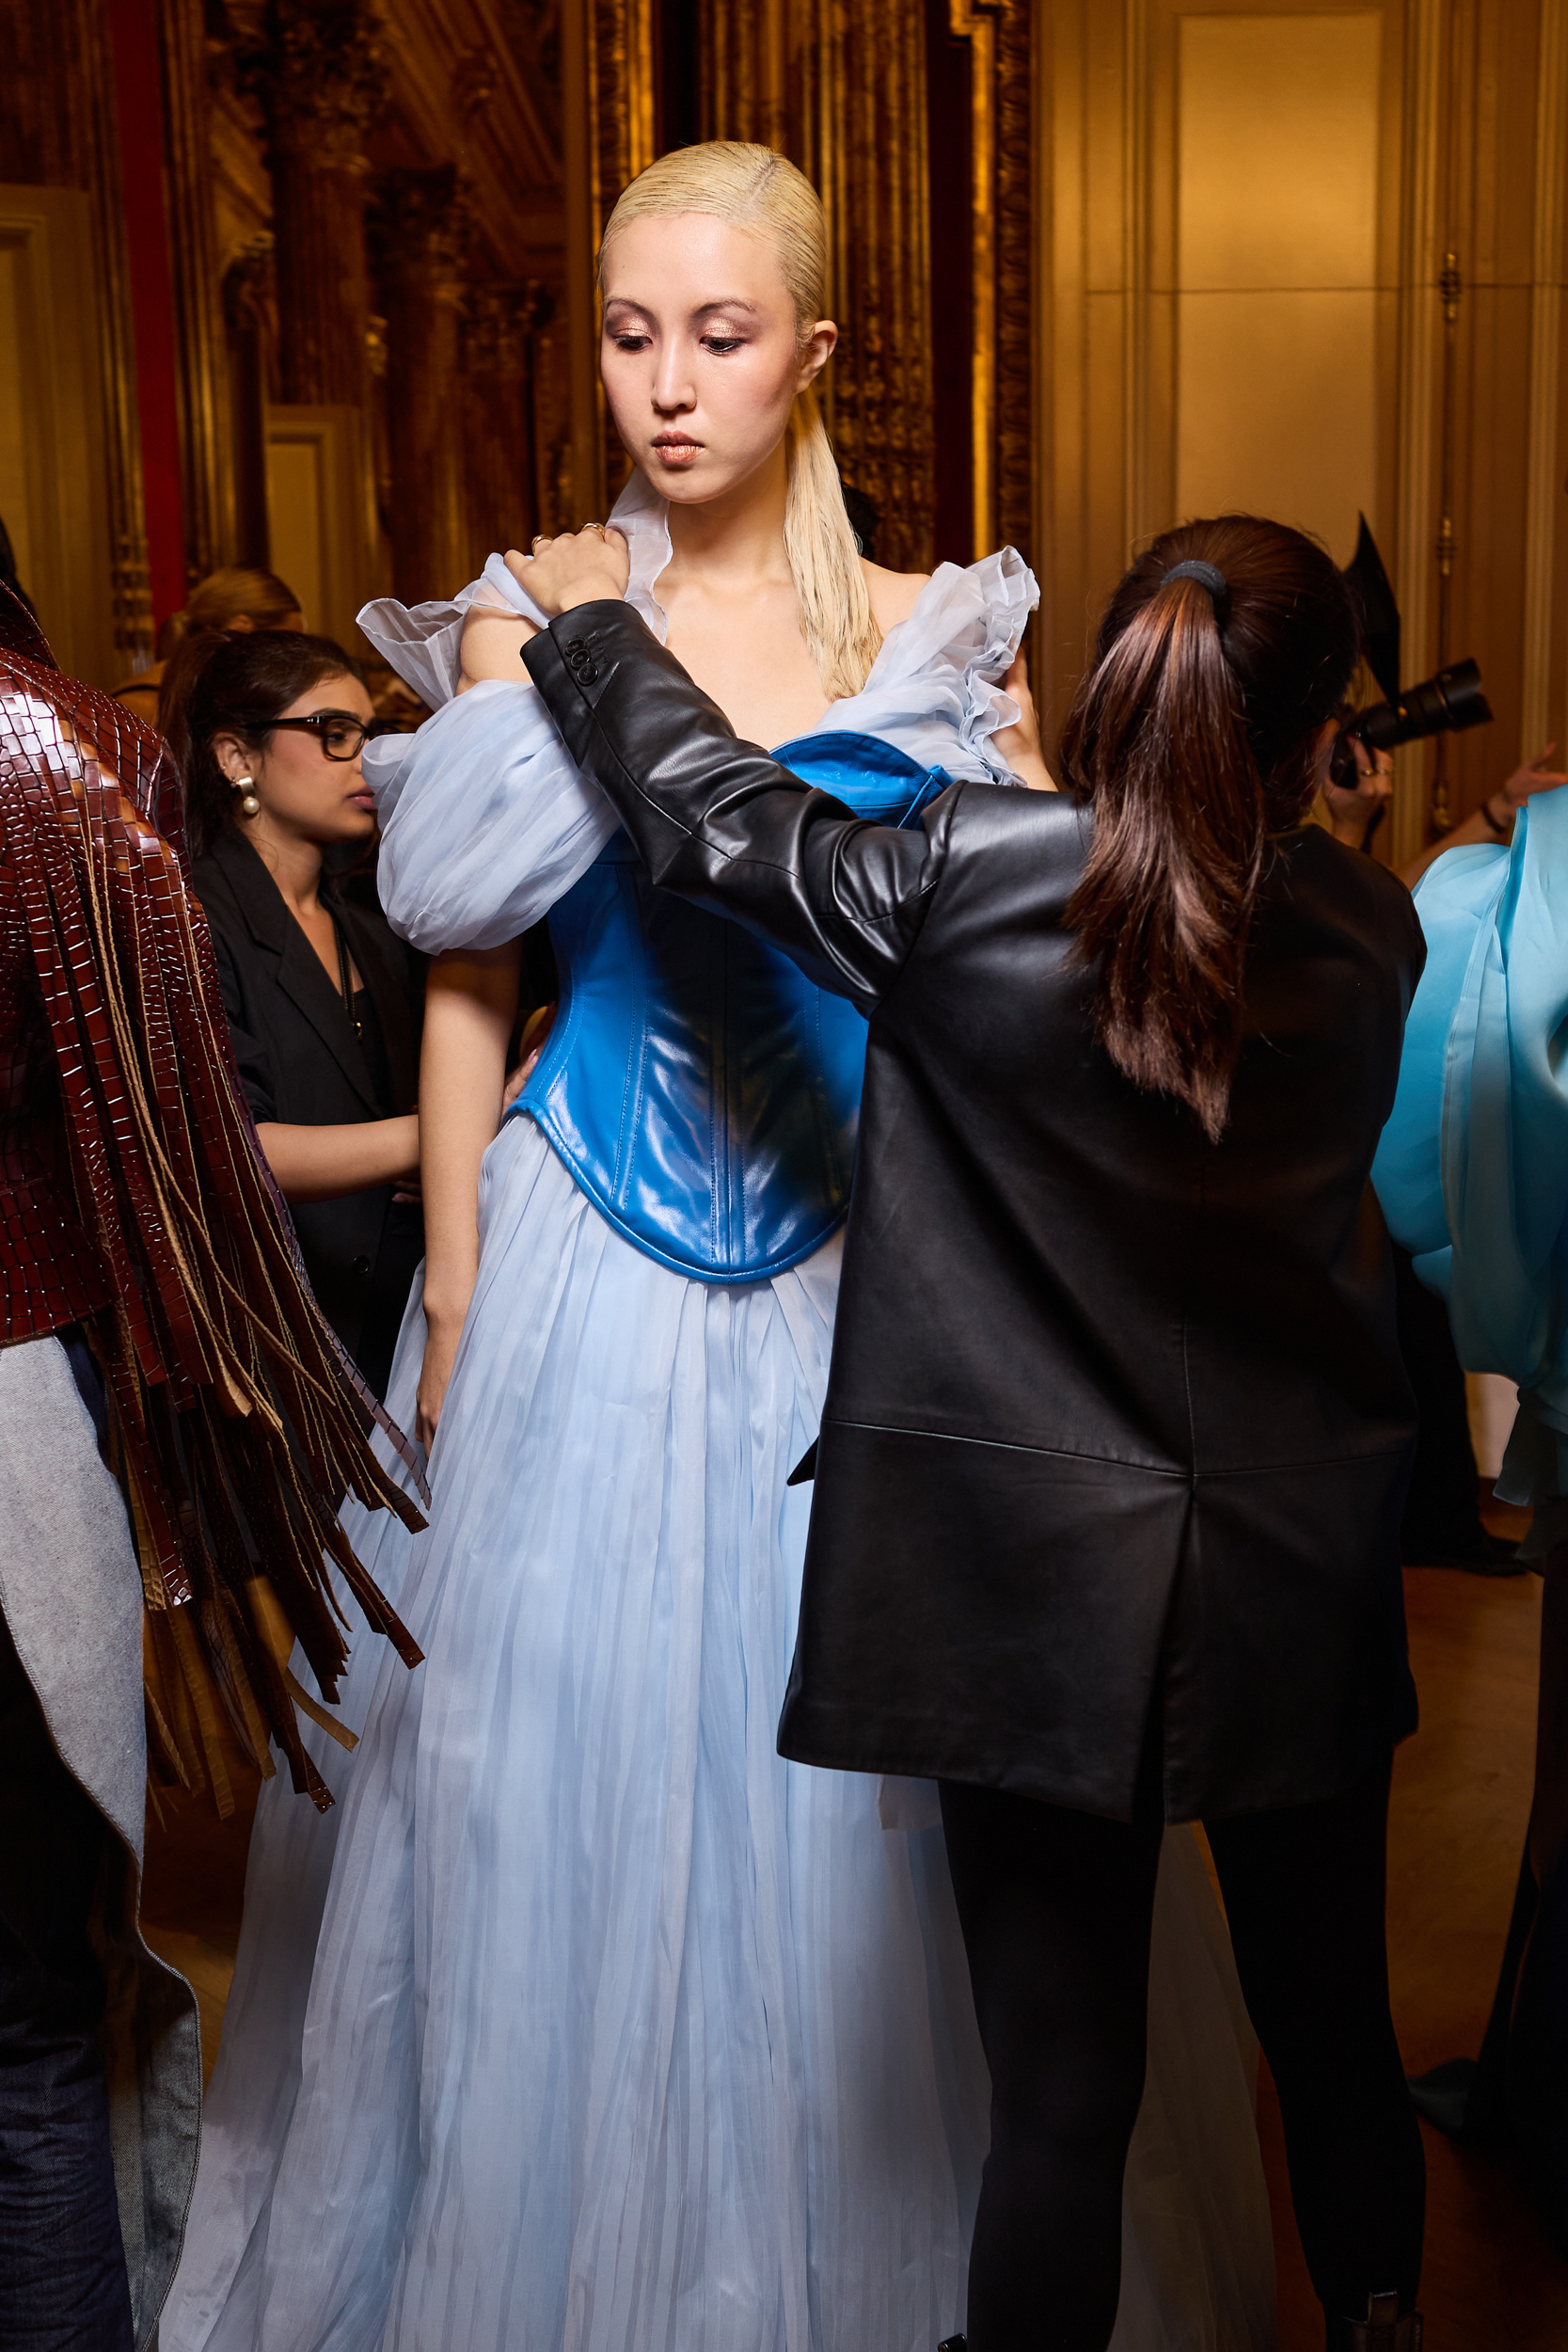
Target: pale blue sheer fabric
[(585, 2021), (1472, 1171)]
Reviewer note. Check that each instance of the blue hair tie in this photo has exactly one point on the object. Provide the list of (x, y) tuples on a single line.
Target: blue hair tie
[(1207, 575)]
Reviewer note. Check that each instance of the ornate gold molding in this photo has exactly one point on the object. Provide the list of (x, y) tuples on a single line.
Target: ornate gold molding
[(418, 227), (1420, 327), (975, 21), (1017, 471), (207, 473), (1546, 381)]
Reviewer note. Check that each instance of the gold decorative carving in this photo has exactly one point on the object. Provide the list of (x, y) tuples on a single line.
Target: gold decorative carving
[(417, 228), (1017, 475), (60, 127), (748, 84), (504, 435), (839, 85), (974, 21), (621, 144), (250, 324), (321, 81), (473, 80), (207, 473)]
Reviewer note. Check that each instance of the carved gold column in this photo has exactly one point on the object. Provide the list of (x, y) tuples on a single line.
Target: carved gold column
[(502, 438), (747, 81), (620, 145), (323, 80), (839, 85), (861, 70), (206, 439), (1019, 459), (249, 306), (60, 127), (1001, 365), (419, 225)]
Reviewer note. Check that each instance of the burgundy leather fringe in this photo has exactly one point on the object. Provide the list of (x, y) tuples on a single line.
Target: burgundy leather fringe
[(235, 1413)]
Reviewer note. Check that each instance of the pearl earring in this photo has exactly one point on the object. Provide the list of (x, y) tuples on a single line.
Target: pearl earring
[(246, 788)]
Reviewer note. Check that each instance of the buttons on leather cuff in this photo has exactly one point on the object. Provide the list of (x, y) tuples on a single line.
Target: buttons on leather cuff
[(580, 661)]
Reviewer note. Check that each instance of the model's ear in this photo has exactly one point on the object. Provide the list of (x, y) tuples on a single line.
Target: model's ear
[(815, 353)]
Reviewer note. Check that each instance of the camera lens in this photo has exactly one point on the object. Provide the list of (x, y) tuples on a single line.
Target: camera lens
[(1445, 705)]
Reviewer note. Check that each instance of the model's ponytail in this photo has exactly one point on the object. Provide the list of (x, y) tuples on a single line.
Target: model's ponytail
[(836, 619), (1193, 737), (756, 188)]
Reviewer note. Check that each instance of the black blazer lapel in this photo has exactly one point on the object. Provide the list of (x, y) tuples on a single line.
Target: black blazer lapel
[(305, 983), (300, 974), (379, 960)]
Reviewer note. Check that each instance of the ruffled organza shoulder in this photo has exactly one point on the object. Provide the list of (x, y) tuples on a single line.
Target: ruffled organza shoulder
[(934, 688), (1472, 1171), (485, 821)]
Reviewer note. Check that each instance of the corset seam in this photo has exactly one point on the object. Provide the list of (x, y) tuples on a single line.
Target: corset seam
[(713, 1276)]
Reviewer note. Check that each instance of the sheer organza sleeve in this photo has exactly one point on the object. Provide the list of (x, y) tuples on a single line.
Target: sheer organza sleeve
[(935, 688), (484, 821)]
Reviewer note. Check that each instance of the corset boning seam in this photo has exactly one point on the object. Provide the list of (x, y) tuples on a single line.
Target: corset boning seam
[(634, 1082), (762, 1272)]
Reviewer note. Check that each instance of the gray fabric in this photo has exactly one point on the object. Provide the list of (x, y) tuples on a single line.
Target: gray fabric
[(70, 1595)]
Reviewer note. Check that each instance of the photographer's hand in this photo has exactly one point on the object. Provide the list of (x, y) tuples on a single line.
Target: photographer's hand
[(1355, 810), (1493, 821), (1532, 777)]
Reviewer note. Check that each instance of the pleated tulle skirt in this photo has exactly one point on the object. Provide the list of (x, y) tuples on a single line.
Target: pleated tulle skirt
[(584, 2021)]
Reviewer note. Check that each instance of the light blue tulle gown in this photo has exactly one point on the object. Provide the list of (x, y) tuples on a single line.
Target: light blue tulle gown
[(584, 2021)]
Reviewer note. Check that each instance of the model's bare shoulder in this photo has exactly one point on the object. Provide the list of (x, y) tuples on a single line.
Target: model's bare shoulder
[(893, 594)]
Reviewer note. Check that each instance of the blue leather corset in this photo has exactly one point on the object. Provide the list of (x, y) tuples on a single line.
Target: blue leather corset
[(703, 1092)]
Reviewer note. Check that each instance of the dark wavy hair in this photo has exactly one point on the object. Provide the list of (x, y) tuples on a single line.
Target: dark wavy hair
[(238, 684), (1192, 737)]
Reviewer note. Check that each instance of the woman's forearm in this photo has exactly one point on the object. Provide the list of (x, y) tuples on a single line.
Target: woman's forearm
[(471, 1001), (324, 1163), (1474, 829)]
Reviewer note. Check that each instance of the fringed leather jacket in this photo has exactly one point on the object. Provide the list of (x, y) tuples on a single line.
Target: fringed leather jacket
[(136, 1204)]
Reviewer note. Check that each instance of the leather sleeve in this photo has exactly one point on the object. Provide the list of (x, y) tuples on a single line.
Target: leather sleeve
[(718, 822)]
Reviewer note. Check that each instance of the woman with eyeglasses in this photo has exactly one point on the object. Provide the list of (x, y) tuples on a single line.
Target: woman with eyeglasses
[(323, 1001)]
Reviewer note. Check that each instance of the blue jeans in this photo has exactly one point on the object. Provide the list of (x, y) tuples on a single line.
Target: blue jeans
[(62, 2265)]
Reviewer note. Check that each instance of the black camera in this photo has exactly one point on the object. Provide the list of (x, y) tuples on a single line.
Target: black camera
[(1445, 705)]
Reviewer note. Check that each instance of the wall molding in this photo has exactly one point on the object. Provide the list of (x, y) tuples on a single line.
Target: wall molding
[(1419, 337), (1546, 374)]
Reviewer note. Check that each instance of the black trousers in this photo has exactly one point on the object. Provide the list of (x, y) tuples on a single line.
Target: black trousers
[(62, 2263), (1055, 1908)]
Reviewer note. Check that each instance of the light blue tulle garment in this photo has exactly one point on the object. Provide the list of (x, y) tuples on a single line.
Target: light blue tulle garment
[(584, 2021), (1472, 1171)]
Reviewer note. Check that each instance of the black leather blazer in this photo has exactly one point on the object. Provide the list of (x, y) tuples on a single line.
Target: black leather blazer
[(1117, 1432), (301, 1063)]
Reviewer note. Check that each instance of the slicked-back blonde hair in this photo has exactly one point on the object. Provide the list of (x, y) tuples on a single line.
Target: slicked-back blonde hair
[(758, 190)]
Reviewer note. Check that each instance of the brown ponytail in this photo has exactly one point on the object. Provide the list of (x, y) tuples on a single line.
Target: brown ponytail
[(1192, 736)]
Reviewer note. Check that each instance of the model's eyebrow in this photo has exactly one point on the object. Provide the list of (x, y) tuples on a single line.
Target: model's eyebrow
[(704, 310)]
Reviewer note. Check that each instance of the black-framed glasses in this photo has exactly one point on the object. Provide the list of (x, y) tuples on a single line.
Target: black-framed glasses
[(341, 735)]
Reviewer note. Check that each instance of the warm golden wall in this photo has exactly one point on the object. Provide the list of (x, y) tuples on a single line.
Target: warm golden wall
[(1097, 263), (1247, 212)]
